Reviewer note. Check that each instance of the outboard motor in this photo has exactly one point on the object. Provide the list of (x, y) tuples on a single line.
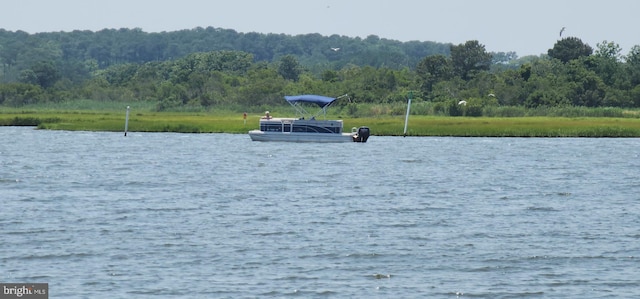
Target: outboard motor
[(362, 135)]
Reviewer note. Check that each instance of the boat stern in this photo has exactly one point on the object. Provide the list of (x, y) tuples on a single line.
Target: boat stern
[(360, 134)]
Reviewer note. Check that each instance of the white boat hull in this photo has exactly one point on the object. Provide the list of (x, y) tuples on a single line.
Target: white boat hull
[(257, 135), (306, 128)]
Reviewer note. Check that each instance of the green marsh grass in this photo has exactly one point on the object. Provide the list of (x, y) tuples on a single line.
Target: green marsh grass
[(89, 116)]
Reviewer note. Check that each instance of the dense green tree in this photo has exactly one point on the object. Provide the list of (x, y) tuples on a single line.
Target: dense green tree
[(509, 88), (569, 48), (205, 67), (607, 63), (608, 50), (633, 65), (70, 50), (586, 88), (469, 58), (289, 68), (546, 85), (28, 76), (545, 98), (330, 76), (481, 86), (433, 69), (9, 54), (416, 51), (43, 73), (19, 94), (263, 86), (448, 90), (525, 72), (171, 96), (237, 62), (120, 74)]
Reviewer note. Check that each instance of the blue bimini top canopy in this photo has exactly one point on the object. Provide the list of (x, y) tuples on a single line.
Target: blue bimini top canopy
[(321, 101)]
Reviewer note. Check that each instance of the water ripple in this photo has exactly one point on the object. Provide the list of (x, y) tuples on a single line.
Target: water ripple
[(161, 215)]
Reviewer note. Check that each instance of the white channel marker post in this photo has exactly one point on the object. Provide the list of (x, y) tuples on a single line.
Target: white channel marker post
[(406, 119), (126, 122)]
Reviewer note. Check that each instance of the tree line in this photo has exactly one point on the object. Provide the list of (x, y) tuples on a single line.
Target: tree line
[(80, 52), (209, 68)]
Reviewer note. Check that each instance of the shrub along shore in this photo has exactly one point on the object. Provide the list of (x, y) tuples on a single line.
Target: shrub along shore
[(385, 125)]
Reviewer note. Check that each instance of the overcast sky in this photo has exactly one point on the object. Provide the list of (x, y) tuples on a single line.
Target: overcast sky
[(526, 27)]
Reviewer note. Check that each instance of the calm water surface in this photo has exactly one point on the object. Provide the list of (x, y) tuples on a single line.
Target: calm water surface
[(154, 215)]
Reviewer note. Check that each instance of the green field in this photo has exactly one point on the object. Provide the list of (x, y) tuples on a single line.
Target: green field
[(143, 119)]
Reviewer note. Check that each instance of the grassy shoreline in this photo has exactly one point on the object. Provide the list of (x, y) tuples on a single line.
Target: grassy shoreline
[(231, 122)]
